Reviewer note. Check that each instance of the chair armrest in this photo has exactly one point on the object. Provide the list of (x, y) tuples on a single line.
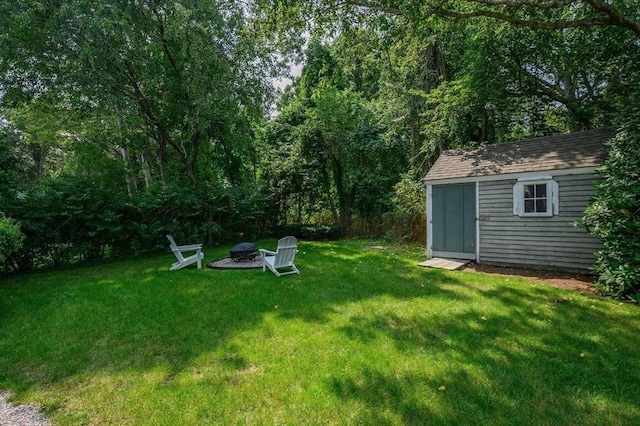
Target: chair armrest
[(267, 252), (189, 247)]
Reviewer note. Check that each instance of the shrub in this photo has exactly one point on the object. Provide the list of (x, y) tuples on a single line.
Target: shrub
[(207, 214), (65, 220), (11, 239), (409, 214), (614, 215), (70, 219), (309, 232)]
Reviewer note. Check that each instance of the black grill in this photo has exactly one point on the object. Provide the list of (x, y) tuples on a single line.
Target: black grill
[(243, 251)]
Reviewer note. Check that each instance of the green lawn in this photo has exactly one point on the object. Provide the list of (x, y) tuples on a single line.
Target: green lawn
[(361, 336)]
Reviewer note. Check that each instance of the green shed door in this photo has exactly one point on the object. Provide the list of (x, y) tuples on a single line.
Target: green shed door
[(454, 220)]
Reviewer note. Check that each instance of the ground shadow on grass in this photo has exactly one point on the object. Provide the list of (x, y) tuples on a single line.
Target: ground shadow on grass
[(558, 362), (417, 399), (137, 316)]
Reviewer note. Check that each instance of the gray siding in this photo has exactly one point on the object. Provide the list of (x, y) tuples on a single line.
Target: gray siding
[(537, 241)]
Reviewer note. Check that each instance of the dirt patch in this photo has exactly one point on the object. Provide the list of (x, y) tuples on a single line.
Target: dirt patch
[(571, 281)]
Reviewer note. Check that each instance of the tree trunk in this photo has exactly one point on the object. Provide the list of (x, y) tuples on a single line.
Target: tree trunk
[(326, 185), (146, 172), (132, 184)]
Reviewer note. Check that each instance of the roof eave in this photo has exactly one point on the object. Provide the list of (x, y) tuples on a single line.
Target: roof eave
[(507, 176)]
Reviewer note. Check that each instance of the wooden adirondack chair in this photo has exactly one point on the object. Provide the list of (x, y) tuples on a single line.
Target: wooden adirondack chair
[(282, 258), (185, 261)]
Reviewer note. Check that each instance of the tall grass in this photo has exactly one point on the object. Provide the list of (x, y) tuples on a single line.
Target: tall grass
[(361, 336)]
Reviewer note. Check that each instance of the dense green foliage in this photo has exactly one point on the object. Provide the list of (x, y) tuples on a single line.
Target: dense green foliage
[(69, 219), (330, 134), (171, 87), (361, 337), (614, 215), (11, 237)]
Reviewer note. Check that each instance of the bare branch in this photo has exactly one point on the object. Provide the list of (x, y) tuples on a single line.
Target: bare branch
[(160, 30), (551, 25), (615, 16), (608, 14), (538, 4)]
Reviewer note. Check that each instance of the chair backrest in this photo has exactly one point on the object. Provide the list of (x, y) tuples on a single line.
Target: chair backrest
[(286, 252), (174, 248)]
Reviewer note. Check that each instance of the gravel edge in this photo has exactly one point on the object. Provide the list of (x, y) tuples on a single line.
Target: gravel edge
[(20, 415)]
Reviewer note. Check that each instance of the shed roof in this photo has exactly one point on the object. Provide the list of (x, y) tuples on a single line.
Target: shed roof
[(557, 152)]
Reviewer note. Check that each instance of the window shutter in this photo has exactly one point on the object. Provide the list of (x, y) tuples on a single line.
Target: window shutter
[(518, 198), (555, 199)]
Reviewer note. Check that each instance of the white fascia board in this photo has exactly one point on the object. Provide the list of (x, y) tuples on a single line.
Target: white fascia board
[(508, 176)]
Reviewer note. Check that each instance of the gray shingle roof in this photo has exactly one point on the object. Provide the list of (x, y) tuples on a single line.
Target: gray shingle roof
[(557, 152)]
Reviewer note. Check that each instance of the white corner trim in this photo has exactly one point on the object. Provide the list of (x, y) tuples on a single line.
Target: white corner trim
[(429, 226), (477, 259)]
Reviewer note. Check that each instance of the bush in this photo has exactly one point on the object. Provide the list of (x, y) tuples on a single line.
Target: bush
[(410, 212), (309, 232), (11, 239), (207, 214), (614, 215), (65, 220), (71, 219)]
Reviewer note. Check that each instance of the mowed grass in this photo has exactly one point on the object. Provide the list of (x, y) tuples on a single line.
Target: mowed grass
[(362, 336)]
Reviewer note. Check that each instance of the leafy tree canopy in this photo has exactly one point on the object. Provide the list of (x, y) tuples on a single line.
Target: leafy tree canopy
[(191, 76)]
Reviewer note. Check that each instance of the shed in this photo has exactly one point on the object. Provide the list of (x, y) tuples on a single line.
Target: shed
[(516, 203)]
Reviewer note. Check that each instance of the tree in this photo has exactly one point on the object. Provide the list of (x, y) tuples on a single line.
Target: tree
[(188, 73), (329, 139), (290, 177), (15, 166), (40, 127)]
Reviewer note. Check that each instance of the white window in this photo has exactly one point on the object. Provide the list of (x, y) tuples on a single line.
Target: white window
[(537, 196)]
